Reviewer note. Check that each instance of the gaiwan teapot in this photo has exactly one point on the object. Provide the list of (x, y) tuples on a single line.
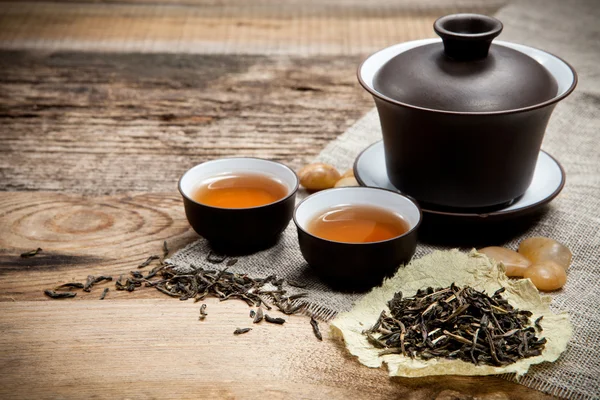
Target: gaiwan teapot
[(463, 118)]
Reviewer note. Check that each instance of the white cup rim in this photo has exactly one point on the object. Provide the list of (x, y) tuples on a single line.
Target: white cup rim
[(292, 189), (413, 226)]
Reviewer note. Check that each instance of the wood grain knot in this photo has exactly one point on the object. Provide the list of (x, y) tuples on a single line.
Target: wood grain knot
[(64, 223), (80, 221)]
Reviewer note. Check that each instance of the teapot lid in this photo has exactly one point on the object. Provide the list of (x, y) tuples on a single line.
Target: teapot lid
[(466, 72)]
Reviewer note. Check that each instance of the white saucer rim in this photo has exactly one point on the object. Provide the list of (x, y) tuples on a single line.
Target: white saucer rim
[(500, 213)]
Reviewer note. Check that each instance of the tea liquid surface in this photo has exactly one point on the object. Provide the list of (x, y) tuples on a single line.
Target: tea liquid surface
[(240, 190), (357, 224)]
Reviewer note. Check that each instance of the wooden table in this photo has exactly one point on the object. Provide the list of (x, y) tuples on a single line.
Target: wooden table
[(102, 106)]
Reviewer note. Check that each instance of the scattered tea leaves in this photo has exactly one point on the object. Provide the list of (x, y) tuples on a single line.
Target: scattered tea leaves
[(296, 284), (232, 262), (456, 323), (315, 327), (89, 283), (92, 280), (136, 274), (200, 283), (259, 316), (165, 250), (203, 313), (103, 278), (240, 331), (70, 285), (148, 261), (59, 295), (129, 284), (274, 320), (537, 324), (31, 253), (215, 258)]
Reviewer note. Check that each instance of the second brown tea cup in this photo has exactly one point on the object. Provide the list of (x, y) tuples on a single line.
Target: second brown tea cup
[(353, 265)]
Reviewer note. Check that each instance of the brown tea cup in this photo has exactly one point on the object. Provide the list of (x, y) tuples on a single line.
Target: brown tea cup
[(357, 266), (239, 230)]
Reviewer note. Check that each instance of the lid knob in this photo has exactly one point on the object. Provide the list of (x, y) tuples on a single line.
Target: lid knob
[(467, 37)]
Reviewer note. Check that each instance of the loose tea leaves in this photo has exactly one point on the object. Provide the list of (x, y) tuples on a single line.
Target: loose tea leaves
[(315, 327), (201, 283), (274, 320), (165, 250), (129, 284), (456, 323), (258, 316), (31, 253), (537, 324), (59, 295), (89, 283), (148, 261), (296, 283), (203, 313), (232, 262), (215, 258), (92, 280), (240, 331), (70, 285)]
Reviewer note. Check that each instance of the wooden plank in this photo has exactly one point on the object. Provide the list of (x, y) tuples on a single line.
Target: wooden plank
[(109, 123), (159, 349), (81, 236), (224, 28), (312, 4)]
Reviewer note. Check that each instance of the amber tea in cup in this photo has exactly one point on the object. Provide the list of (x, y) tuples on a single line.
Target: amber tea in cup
[(357, 224), (240, 190), (240, 204), (354, 237)]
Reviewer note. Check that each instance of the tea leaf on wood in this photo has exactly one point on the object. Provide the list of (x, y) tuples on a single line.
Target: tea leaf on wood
[(70, 285), (259, 316), (148, 261), (31, 253), (274, 320), (203, 313), (315, 327), (59, 295)]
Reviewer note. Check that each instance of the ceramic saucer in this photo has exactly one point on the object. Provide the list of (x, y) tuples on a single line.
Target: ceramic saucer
[(548, 181)]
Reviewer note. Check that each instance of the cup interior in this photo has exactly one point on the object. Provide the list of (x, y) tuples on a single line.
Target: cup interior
[(320, 202), (195, 176), (561, 71)]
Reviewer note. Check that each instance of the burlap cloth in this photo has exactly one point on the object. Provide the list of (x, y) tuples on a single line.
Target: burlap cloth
[(570, 30)]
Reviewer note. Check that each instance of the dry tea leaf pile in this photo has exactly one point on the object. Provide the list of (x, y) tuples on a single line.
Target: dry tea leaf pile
[(441, 269), (456, 323)]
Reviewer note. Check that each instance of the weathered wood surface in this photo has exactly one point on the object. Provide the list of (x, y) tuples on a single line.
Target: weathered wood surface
[(131, 346), (106, 123), (81, 236), (329, 27), (159, 349), (91, 147)]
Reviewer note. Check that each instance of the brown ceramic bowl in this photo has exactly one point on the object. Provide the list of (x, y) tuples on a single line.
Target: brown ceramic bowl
[(462, 127), (239, 230), (356, 266)]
